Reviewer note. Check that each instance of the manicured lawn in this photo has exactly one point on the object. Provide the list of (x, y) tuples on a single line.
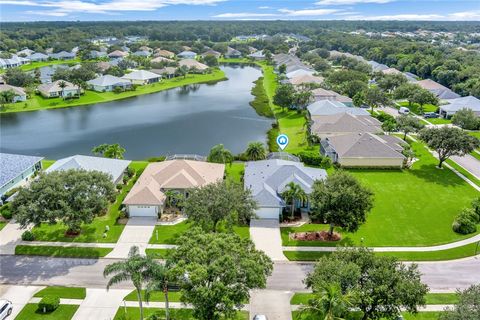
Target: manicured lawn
[(415, 107), (2, 224), (169, 234), (173, 296), (37, 102), (439, 120), (65, 252), (235, 171), (63, 312), (475, 154), (63, 292), (412, 207), (177, 314), (47, 163), (357, 316), (475, 134), (94, 231), (157, 253)]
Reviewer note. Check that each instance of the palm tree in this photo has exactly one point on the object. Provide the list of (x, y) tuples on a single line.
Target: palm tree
[(62, 84), (329, 304), (255, 151), (293, 193), (137, 268), (159, 282)]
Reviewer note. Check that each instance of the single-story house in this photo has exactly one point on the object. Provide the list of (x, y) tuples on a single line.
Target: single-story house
[(161, 59), (63, 55), (454, 105), (376, 67), (267, 179), (299, 72), (94, 54), (436, 88), (53, 90), (364, 150), (145, 48), (16, 170), (329, 107), (147, 196), (117, 54), (38, 56), (193, 64), (187, 55), (13, 62), (342, 123), (142, 77), (305, 79), (108, 83), (167, 72), (20, 94), (410, 77), (211, 52), (164, 53), (141, 53), (258, 55), (113, 167), (25, 52), (232, 53), (324, 94), (103, 66)]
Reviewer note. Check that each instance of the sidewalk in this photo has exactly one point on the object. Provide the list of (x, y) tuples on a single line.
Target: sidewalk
[(100, 304)]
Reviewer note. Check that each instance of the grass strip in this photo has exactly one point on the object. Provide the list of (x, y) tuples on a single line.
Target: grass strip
[(261, 103), (156, 296), (31, 312), (63, 292), (177, 314), (64, 252), (463, 171)]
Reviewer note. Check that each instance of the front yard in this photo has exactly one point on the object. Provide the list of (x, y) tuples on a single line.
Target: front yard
[(177, 314), (412, 207), (31, 312)]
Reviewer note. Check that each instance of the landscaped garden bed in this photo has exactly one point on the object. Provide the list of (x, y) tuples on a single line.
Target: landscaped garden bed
[(315, 236)]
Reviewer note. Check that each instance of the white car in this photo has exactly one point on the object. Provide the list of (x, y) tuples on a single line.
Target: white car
[(260, 317), (6, 308), (404, 110)]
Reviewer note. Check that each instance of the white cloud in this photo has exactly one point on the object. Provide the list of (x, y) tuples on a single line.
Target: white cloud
[(466, 15), (264, 7), (48, 13), (308, 12), (244, 15), (398, 17), (349, 2)]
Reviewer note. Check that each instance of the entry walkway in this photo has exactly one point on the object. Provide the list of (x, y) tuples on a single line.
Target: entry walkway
[(100, 304), (265, 233), (137, 232)]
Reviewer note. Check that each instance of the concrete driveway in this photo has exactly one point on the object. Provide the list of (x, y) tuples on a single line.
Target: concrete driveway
[(471, 164), (19, 295), (10, 236), (137, 232), (273, 304), (265, 233), (100, 304)]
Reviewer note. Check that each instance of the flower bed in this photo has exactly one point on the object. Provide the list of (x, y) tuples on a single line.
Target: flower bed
[(315, 236)]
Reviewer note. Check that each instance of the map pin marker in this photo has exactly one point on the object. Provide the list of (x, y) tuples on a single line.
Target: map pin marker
[(282, 141)]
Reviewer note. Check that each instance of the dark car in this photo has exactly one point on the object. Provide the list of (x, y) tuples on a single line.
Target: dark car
[(428, 115)]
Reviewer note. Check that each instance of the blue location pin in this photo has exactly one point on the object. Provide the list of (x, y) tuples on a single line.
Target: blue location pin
[(282, 141)]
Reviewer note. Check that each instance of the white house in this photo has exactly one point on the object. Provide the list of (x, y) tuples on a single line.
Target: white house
[(54, 89), (108, 83), (142, 77), (454, 105), (20, 94), (16, 170)]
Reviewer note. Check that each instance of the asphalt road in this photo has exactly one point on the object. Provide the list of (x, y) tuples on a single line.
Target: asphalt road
[(288, 276)]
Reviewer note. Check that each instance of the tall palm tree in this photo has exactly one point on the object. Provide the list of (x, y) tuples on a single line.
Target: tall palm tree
[(62, 85), (293, 193), (329, 304), (159, 282), (137, 268), (255, 151)]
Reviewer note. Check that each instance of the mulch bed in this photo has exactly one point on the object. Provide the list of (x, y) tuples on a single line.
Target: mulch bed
[(315, 236)]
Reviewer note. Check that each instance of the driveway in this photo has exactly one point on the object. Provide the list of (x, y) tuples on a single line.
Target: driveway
[(470, 163), (100, 304), (389, 110), (10, 236), (265, 233), (19, 295), (137, 232), (273, 304)]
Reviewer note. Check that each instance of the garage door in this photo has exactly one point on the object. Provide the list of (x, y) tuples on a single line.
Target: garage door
[(142, 211), (268, 213)]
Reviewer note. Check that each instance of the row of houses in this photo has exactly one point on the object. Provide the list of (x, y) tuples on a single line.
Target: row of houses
[(267, 179), (21, 58)]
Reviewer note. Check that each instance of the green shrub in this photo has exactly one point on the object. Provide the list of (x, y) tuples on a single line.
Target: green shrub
[(465, 222), (28, 236), (48, 304), (476, 207), (6, 211), (314, 158), (119, 187), (130, 172)]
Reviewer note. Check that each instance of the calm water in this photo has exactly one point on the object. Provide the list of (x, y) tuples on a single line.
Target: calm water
[(184, 120)]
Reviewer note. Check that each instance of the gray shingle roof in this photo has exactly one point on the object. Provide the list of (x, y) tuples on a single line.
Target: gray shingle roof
[(13, 165), (107, 80), (469, 102), (268, 178), (366, 145), (329, 107)]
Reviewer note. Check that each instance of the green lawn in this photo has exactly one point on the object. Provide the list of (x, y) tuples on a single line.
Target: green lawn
[(37, 102), (475, 134), (357, 316), (157, 253), (412, 207), (475, 154), (415, 107), (466, 173), (94, 231), (2, 224), (63, 312), (235, 171), (439, 120), (177, 314), (63, 292), (65, 252), (173, 296), (47, 163)]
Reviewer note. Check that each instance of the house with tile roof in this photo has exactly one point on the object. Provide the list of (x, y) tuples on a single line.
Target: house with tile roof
[(142, 77), (330, 107), (16, 170), (54, 89), (232, 53), (187, 55), (108, 83), (192, 64), (117, 54), (324, 94), (267, 179), (147, 196), (20, 94), (164, 53)]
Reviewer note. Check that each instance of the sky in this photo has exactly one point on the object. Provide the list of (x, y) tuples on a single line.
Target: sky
[(87, 10)]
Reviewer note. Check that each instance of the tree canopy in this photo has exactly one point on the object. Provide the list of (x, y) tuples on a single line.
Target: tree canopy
[(218, 154), (468, 306)]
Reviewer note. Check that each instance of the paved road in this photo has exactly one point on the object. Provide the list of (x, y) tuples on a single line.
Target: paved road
[(470, 163), (287, 276)]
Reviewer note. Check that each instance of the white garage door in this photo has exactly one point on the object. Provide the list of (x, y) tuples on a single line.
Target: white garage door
[(142, 211), (268, 213)]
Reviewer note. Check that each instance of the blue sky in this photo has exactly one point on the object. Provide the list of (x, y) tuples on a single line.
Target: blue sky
[(34, 10)]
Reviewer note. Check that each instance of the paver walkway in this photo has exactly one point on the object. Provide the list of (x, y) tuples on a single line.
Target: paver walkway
[(273, 304), (19, 295), (100, 304), (265, 233), (10, 237), (137, 232)]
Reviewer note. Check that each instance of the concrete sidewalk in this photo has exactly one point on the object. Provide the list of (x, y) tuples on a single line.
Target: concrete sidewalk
[(265, 233), (100, 304), (137, 232), (19, 295)]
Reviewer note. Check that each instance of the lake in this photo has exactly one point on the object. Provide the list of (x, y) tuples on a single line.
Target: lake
[(188, 119)]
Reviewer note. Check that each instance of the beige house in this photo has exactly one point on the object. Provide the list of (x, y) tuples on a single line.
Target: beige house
[(147, 197), (192, 64), (142, 77), (365, 150), (161, 59), (305, 79), (54, 89), (164, 53), (324, 94), (343, 123)]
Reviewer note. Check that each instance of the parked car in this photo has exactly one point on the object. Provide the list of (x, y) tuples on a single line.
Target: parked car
[(428, 115), (260, 317), (404, 110), (6, 308)]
